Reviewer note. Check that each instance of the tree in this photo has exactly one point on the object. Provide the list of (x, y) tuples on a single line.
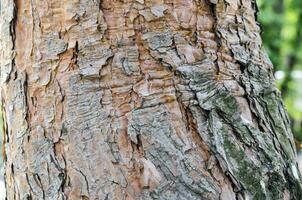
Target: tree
[(141, 99)]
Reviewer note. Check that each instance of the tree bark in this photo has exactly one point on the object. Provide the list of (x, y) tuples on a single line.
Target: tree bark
[(140, 99)]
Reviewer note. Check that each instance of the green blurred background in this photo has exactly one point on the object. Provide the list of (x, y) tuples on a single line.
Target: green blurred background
[(281, 22)]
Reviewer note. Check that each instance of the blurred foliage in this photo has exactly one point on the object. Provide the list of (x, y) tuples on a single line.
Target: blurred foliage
[(281, 22), (1, 140)]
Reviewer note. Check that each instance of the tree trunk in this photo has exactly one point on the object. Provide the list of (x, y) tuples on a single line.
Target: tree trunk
[(141, 99)]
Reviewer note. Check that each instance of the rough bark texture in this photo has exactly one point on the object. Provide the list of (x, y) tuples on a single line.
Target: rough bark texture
[(141, 99)]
